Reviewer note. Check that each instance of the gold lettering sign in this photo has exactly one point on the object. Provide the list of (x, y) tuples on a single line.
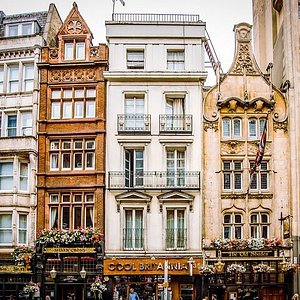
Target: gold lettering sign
[(178, 266), (247, 253), (14, 269), (69, 250)]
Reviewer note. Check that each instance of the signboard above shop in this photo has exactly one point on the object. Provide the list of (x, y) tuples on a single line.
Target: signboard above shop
[(151, 266)]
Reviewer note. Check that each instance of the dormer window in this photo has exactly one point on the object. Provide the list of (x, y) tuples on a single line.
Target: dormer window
[(74, 50), (20, 29)]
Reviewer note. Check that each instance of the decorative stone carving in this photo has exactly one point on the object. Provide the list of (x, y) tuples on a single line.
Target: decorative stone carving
[(280, 125), (232, 147), (232, 106), (94, 52), (233, 196), (259, 105), (53, 53), (72, 75), (244, 61), (74, 27), (252, 148), (210, 125), (252, 195)]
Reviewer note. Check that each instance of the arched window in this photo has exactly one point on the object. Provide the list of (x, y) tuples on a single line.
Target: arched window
[(231, 128)]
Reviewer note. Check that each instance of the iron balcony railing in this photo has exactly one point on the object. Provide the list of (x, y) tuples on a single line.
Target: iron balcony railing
[(133, 238), (153, 180), (175, 123), (176, 239), (176, 18), (138, 123)]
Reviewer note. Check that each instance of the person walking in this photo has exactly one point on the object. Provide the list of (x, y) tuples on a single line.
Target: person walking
[(133, 295)]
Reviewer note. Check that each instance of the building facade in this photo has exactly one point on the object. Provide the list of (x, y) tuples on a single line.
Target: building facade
[(251, 245), (71, 167), (154, 147), (276, 27), (21, 39)]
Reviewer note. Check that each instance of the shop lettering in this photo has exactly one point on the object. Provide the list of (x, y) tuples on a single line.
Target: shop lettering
[(146, 266), (247, 253)]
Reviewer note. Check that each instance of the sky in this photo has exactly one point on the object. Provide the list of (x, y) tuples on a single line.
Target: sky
[(220, 16)]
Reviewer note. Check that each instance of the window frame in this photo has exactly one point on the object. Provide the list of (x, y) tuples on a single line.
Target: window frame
[(22, 229), (259, 225), (2, 229), (260, 177), (74, 50), (135, 63), (231, 131), (175, 63), (232, 225), (231, 174)]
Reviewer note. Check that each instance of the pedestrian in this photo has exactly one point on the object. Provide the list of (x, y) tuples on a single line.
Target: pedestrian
[(133, 295)]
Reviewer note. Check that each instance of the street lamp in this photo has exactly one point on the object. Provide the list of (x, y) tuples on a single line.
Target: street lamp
[(83, 273), (53, 273)]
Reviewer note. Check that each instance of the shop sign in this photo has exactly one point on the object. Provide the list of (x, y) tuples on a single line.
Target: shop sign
[(70, 279), (69, 250), (179, 266), (14, 269), (259, 253)]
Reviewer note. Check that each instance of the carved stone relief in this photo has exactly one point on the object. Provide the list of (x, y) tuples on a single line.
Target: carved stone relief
[(210, 125), (232, 147), (244, 61), (72, 75), (280, 125), (74, 27), (253, 146)]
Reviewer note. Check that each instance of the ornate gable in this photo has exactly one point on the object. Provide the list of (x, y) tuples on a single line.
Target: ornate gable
[(74, 24), (133, 197), (176, 197)]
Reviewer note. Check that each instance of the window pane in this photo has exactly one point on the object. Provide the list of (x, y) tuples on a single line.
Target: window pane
[(67, 94), (78, 161), (175, 60), (227, 232), (253, 218), (264, 181), (69, 51), (55, 94), (237, 128), (254, 232), (89, 160), (265, 232), (79, 93), (90, 93), (238, 181), (67, 109), (77, 198), (5, 229), (55, 110), (264, 218), (227, 181), (22, 229), (23, 177), (237, 218), (26, 29), (53, 198), (89, 216), (6, 176), (13, 30), (135, 59), (66, 159), (54, 161), (80, 51), (227, 218), (11, 125), (28, 77), (79, 109), (77, 217), (90, 109), (226, 128), (53, 217), (27, 123), (237, 232), (13, 79), (252, 129), (1, 79), (65, 217)]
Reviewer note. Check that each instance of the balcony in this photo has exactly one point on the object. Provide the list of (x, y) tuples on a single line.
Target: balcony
[(175, 124), (176, 239), (133, 238), (134, 123), (153, 180)]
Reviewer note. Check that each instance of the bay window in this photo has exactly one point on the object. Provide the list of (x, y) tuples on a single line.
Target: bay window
[(72, 154)]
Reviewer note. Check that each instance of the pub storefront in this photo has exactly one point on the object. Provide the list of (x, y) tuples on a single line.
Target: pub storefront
[(66, 269), (265, 273), (154, 277)]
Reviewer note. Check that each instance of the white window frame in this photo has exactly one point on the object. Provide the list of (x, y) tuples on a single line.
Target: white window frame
[(232, 172), (1, 79), (232, 225), (258, 177), (8, 175), (2, 229), (22, 229), (258, 225), (28, 79), (23, 176), (231, 122), (135, 59), (13, 80), (176, 59)]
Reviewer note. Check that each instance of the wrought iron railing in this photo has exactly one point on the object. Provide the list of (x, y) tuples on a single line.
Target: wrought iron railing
[(156, 18), (134, 123), (176, 238), (133, 238), (154, 180), (175, 123)]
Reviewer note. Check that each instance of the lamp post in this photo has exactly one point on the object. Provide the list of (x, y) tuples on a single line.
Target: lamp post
[(53, 274), (83, 276)]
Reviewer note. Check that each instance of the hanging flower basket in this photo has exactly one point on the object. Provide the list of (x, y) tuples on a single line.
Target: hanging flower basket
[(31, 288), (23, 255), (236, 268), (207, 270), (261, 268), (97, 288)]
